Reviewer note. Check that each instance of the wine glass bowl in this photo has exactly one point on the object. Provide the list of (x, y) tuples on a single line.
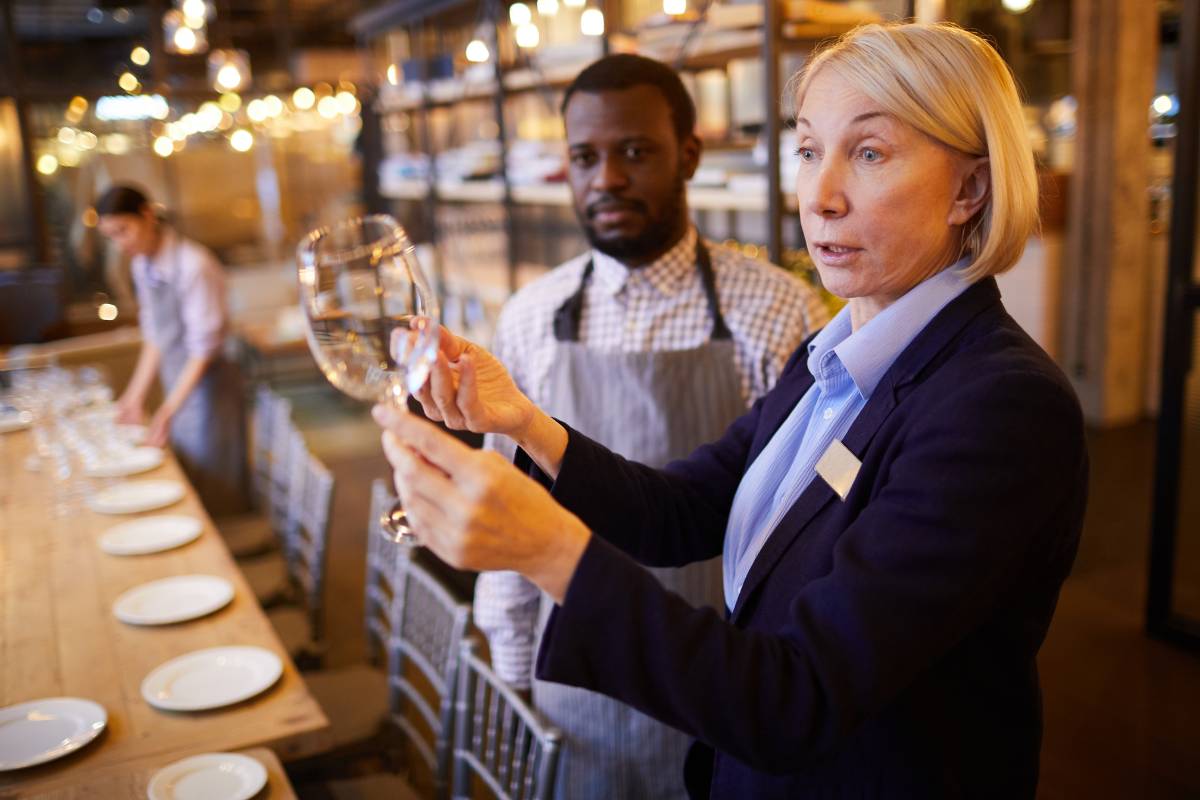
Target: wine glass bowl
[(371, 316)]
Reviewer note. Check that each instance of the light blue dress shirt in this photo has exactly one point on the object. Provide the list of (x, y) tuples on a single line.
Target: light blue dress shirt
[(846, 366)]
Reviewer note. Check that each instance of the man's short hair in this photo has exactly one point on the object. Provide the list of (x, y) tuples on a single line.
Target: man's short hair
[(625, 71)]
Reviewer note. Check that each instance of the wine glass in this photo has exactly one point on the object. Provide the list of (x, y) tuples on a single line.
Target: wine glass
[(372, 318)]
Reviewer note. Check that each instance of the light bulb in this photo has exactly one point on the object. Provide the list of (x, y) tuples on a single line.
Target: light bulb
[(140, 56), (256, 111), (229, 77), (1162, 105), (328, 107), (128, 82), (272, 105), (163, 146), (47, 164), (241, 140), (477, 52), (674, 7), (528, 35), (303, 98), (519, 14), (591, 22), (1016, 6), (547, 8), (185, 40)]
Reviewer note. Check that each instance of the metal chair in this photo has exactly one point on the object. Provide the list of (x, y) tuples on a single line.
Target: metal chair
[(250, 535), (428, 624), (498, 738), (383, 564)]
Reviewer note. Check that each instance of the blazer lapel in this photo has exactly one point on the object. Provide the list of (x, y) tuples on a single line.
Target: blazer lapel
[(927, 344)]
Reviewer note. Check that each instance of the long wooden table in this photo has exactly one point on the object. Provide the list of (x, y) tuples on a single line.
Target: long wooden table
[(58, 637)]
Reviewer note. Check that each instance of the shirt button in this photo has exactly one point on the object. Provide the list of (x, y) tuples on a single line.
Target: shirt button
[(828, 415)]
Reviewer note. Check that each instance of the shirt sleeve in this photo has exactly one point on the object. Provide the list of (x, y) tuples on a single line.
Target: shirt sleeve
[(203, 306), (506, 604)]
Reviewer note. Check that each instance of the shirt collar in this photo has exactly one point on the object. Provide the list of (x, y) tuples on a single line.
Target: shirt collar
[(161, 265), (666, 274), (868, 353)]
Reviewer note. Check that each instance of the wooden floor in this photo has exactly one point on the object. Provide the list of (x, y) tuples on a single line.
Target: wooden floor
[(1122, 711)]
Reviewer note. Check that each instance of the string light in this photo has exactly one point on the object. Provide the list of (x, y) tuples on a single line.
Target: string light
[(303, 98), (591, 22), (347, 103), (140, 56), (674, 7), (547, 8), (328, 107), (256, 111), (241, 140), (47, 164), (393, 74), (528, 35), (230, 101), (519, 14), (185, 39), (163, 146), (477, 52), (272, 105), (129, 82)]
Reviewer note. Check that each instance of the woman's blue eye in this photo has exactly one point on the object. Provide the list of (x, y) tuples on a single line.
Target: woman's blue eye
[(805, 153), (870, 155)]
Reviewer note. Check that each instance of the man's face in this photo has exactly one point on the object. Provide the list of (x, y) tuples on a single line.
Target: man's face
[(628, 170)]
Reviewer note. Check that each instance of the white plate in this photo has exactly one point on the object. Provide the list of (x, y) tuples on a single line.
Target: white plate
[(14, 421), (211, 776), (140, 459), (43, 730), (134, 496), (134, 434), (171, 600), (218, 676), (150, 535)]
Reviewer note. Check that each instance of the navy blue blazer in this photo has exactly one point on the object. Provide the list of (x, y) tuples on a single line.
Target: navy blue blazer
[(882, 646)]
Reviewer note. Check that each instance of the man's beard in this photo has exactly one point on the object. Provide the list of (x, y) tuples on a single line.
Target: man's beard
[(657, 235)]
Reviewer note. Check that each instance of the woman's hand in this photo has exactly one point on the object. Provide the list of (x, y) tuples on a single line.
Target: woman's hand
[(474, 510), (469, 389), (159, 430), (130, 410)]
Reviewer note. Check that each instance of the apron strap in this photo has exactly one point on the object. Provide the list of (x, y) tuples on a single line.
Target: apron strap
[(568, 315)]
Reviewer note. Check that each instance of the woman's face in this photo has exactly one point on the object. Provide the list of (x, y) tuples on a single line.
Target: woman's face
[(135, 234), (881, 204)]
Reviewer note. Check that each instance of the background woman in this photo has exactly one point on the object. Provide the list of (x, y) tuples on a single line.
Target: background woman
[(896, 516), (182, 312)]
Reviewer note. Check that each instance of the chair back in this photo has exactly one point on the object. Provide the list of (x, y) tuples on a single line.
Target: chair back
[(279, 492), (382, 598), (307, 530), (264, 418), (498, 738), (428, 624)]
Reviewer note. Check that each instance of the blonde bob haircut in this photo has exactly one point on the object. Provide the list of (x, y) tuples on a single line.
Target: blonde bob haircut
[(952, 86)]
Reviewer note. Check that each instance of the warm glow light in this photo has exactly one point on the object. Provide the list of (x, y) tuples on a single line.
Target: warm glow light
[(519, 14), (230, 101), (346, 103), (210, 116), (107, 312), (229, 77), (90, 218), (163, 146), (303, 98), (86, 140), (140, 56), (185, 40), (176, 131), (256, 111), (116, 143), (574, 3), (68, 157), (674, 7), (195, 12), (47, 164), (393, 74), (1161, 105), (128, 81), (76, 109), (241, 140), (273, 105), (190, 123), (1016, 6), (328, 107), (477, 52), (66, 135), (528, 35), (547, 8), (591, 22)]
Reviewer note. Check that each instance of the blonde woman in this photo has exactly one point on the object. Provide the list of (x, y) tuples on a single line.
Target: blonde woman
[(896, 517)]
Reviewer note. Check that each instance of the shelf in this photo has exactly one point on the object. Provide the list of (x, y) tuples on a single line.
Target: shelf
[(700, 198)]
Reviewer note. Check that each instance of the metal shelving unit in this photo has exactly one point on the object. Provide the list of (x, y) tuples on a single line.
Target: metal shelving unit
[(504, 83)]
